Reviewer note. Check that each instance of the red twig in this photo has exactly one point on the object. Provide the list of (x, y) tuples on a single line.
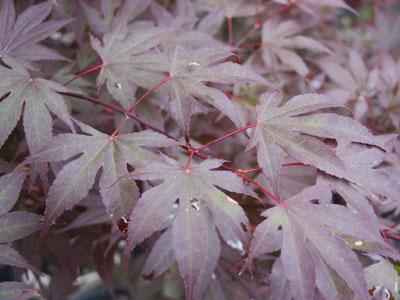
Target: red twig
[(133, 106), (88, 71), (258, 24), (117, 109), (189, 149), (392, 236), (394, 226), (230, 31), (151, 90), (226, 136), (295, 164), (261, 188)]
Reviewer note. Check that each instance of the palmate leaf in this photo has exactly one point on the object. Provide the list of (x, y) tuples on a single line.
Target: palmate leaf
[(9, 256), (189, 70), (19, 37), (128, 60), (18, 224), (10, 187), (280, 41), (101, 20), (374, 182), (36, 97), (218, 10), (99, 151), (294, 127), (310, 237), (200, 209)]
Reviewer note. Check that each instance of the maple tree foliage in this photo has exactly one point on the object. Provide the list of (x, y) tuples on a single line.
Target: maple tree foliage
[(204, 149)]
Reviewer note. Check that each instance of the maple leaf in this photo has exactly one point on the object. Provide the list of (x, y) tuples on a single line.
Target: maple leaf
[(293, 128), (190, 69), (101, 21), (9, 256), (18, 224), (10, 187), (362, 164), (279, 40), (311, 238), (218, 10), (36, 97), (128, 60), (14, 225), (19, 37), (99, 151), (95, 213), (187, 31), (355, 83), (201, 207)]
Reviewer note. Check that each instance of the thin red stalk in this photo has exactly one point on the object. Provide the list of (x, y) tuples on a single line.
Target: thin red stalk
[(88, 71), (258, 24), (117, 109), (261, 188), (283, 9), (118, 129), (295, 164), (226, 136), (253, 45), (189, 162), (395, 225), (248, 170), (191, 150), (247, 35), (392, 236), (264, 190), (230, 31), (133, 106)]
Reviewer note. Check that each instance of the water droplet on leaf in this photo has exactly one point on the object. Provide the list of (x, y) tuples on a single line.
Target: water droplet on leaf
[(236, 244), (194, 203), (359, 243), (192, 65)]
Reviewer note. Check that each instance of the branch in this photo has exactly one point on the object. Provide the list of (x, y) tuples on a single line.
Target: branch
[(117, 109), (226, 136)]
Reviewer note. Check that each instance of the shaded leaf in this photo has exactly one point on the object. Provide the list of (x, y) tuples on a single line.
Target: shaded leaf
[(195, 243), (9, 256), (10, 187), (190, 69), (19, 36), (293, 128), (18, 224), (128, 61), (280, 41), (99, 151), (38, 98), (307, 230)]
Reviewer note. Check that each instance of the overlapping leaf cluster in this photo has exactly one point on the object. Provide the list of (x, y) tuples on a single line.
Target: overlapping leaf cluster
[(208, 161)]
